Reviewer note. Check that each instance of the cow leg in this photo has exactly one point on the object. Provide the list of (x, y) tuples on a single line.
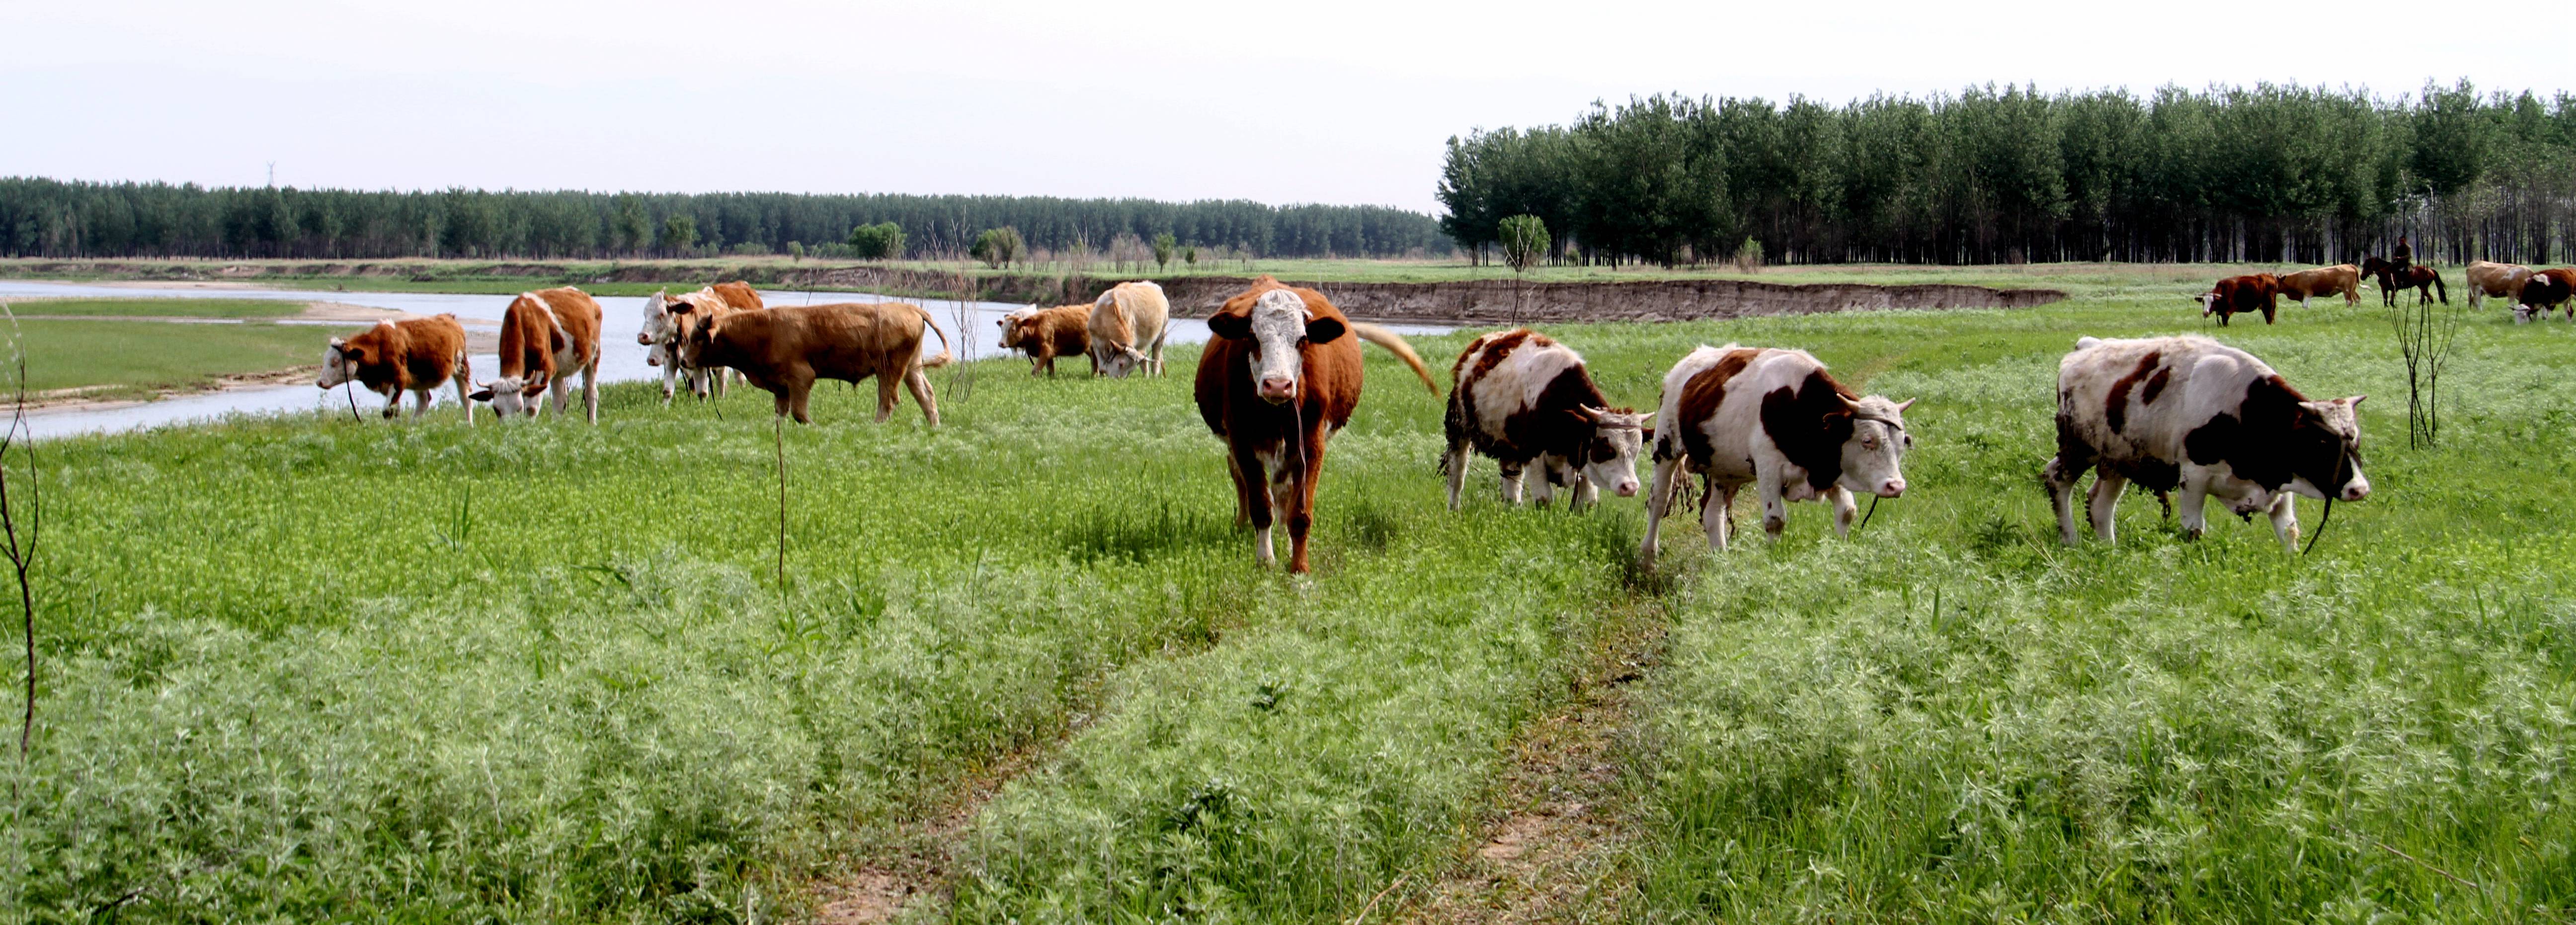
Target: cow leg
[(1585, 493), (1158, 348), (1242, 491), (1724, 498), (2285, 520), (1301, 500), (1659, 499), (670, 382), (590, 390), (2060, 479), (1255, 474), (1845, 510), (918, 383), (393, 401), (1767, 487), (464, 386), (558, 392), (2105, 503), (2195, 495), (420, 406), (1455, 464), (800, 390), (887, 382), (1512, 483)]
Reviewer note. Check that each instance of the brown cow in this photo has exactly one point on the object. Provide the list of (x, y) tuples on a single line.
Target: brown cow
[(784, 350), (1280, 376), (2341, 278), (2546, 290), (397, 356), (546, 335), (1045, 334), (2239, 294), (2488, 279), (666, 320)]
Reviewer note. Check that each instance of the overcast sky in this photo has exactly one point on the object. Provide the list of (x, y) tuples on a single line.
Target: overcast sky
[(1331, 102)]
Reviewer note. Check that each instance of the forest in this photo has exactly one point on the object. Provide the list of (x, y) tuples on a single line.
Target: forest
[(52, 218), (2012, 174)]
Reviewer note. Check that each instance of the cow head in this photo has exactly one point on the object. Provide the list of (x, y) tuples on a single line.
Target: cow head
[(1019, 327), (1278, 324), (512, 396), (1610, 457), (658, 326), (2325, 451), (2208, 303), (1119, 360), (339, 363), (1873, 453)]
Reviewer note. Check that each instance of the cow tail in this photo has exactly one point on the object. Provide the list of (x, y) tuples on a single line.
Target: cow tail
[(945, 357), (1395, 344)]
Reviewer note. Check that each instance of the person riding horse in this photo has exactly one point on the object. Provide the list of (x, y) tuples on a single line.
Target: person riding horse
[(2403, 256)]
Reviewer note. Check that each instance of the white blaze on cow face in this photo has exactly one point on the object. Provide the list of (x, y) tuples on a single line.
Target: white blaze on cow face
[(336, 367), (2344, 424), (1610, 459), (1873, 456), (658, 326), (510, 397), (1279, 320)]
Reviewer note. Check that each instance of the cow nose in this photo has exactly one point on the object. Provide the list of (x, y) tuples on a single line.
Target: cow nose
[(1627, 488), (2356, 490), (1892, 488), (643, 340), (1277, 390)]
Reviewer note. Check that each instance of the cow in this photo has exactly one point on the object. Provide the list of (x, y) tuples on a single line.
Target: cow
[(1045, 334), (2545, 290), (665, 318), (2235, 295), (2195, 414), (1128, 324), (1280, 376), (2497, 280), (413, 355), (1523, 398), (2397, 275), (546, 335), (1775, 419), (2341, 278), (784, 350)]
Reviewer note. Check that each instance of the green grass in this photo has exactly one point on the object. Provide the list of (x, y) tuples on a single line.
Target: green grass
[(306, 667), (121, 359), (157, 308)]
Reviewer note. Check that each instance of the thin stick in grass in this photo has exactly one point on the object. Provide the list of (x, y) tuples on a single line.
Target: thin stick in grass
[(22, 555)]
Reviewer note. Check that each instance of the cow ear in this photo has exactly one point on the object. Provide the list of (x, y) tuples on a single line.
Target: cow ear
[(1230, 326), (1324, 330), (482, 394)]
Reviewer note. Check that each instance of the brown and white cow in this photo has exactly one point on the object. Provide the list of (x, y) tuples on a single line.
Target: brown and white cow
[(1524, 399), (1045, 334), (666, 319), (2545, 290), (1128, 324), (2235, 295), (546, 336), (784, 350), (1280, 377), (2341, 278), (2497, 280), (1774, 419), (2195, 414), (413, 355)]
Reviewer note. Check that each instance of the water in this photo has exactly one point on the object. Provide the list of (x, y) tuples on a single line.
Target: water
[(621, 359)]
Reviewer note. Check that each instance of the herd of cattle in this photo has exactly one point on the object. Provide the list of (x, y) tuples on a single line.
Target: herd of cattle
[(2534, 292), (1282, 374)]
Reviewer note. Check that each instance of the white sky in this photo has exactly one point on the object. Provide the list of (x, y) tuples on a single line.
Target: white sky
[(1330, 101)]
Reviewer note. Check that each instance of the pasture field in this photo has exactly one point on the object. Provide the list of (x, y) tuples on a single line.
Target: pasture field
[(156, 308), (305, 667), (112, 359)]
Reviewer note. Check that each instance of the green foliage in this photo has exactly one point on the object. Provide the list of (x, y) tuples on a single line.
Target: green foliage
[(679, 234), (1524, 240), (161, 307), (2268, 173), (796, 250), (1748, 256), (1190, 255), (997, 247), (881, 241), (1163, 245)]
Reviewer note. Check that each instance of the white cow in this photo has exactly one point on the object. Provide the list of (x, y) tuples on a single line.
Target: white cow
[(1774, 419), (1128, 324), (1524, 399)]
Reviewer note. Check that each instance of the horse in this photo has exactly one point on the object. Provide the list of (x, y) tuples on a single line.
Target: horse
[(2423, 279)]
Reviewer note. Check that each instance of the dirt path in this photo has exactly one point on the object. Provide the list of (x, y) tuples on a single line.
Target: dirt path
[(1554, 849), (918, 862)]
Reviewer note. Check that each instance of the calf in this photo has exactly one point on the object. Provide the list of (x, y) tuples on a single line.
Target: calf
[(784, 350), (2341, 278), (398, 356), (2192, 413), (1280, 376), (545, 336), (1128, 324), (1521, 398), (2498, 280), (666, 322), (1045, 334), (1772, 418), (2546, 290), (2240, 294)]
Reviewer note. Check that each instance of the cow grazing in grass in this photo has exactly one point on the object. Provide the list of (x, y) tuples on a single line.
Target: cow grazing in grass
[(1524, 399), (2393, 277), (1045, 334), (784, 350), (667, 319), (1776, 420), (1280, 376), (2342, 278), (2488, 279), (2236, 295), (546, 336), (2194, 414), (2545, 290), (1128, 324), (403, 356)]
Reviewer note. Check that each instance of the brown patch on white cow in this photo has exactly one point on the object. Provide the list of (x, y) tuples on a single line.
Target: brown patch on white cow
[(1701, 397)]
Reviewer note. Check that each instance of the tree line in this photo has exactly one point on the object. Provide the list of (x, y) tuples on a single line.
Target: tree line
[(2269, 173), (50, 218)]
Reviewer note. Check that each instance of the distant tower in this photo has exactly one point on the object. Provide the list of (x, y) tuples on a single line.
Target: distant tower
[(272, 173)]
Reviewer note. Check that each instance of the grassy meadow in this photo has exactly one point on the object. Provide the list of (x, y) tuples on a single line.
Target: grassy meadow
[(309, 668)]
